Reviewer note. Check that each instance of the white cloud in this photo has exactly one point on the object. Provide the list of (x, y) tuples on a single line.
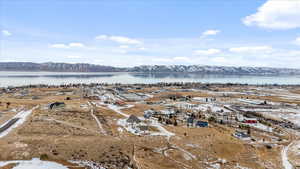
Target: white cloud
[(60, 45), (219, 60), (207, 52), (183, 59), (174, 60), (124, 40), (6, 33), (102, 37), (162, 60), (297, 41), (124, 46), (73, 57), (76, 45), (251, 49), (119, 39), (276, 14), (120, 51), (142, 48), (67, 46), (210, 32)]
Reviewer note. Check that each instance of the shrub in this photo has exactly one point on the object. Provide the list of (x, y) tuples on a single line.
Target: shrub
[(44, 157)]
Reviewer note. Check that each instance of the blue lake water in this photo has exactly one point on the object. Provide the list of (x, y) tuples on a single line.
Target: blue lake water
[(57, 78)]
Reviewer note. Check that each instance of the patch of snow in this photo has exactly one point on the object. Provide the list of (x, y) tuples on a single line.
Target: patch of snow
[(120, 129), (185, 152), (285, 160), (240, 167), (261, 127), (192, 145), (84, 106), (130, 128), (213, 107), (215, 166), (133, 128), (291, 115), (251, 101), (186, 157), (163, 131), (118, 109), (35, 163), (22, 118), (98, 122)]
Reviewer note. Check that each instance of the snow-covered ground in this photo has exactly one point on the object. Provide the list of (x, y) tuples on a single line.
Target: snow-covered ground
[(261, 127), (162, 130), (291, 115), (135, 130), (251, 101), (118, 109), (35, 163), (22, 118), (284, 157), (240, 167), (213, 107), (291, 96)]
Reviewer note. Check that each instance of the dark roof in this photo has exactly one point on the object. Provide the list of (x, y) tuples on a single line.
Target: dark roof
[(56, 104), (143, 128), (133, 119)]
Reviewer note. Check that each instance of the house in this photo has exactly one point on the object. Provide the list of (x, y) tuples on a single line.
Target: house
[(240, 117), (190, 121), (250, 120), (92, 97), (168, 111), (35, 97), (149, 113), (56, 105), (143, 128), (133, 119), (120, 103), (201, 124), (241, 135)]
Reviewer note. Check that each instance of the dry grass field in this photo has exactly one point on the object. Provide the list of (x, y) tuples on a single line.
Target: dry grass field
[(73, 133)]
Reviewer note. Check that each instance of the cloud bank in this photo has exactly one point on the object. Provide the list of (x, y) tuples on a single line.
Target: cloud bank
[(276, 14)]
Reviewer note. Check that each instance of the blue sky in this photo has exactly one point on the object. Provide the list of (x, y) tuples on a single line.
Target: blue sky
[(139, 32)]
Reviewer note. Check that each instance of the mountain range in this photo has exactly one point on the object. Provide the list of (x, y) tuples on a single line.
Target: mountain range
[(202, 69)]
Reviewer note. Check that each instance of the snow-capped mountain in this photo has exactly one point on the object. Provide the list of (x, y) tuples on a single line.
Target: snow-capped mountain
[(214, 69), (66, 67)]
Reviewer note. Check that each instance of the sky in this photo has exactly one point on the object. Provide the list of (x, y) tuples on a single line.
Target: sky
[(127, 33)]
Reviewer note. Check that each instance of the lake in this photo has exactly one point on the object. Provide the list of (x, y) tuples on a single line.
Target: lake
[(57, 78)]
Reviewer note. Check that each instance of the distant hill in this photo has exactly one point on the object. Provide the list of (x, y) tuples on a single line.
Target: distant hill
[(56, 67), (66, 67)]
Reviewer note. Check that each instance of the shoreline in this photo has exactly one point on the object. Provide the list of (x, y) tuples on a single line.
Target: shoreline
[(159, 84)]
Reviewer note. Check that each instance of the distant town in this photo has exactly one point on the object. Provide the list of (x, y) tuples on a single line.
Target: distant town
[(163, 125)]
